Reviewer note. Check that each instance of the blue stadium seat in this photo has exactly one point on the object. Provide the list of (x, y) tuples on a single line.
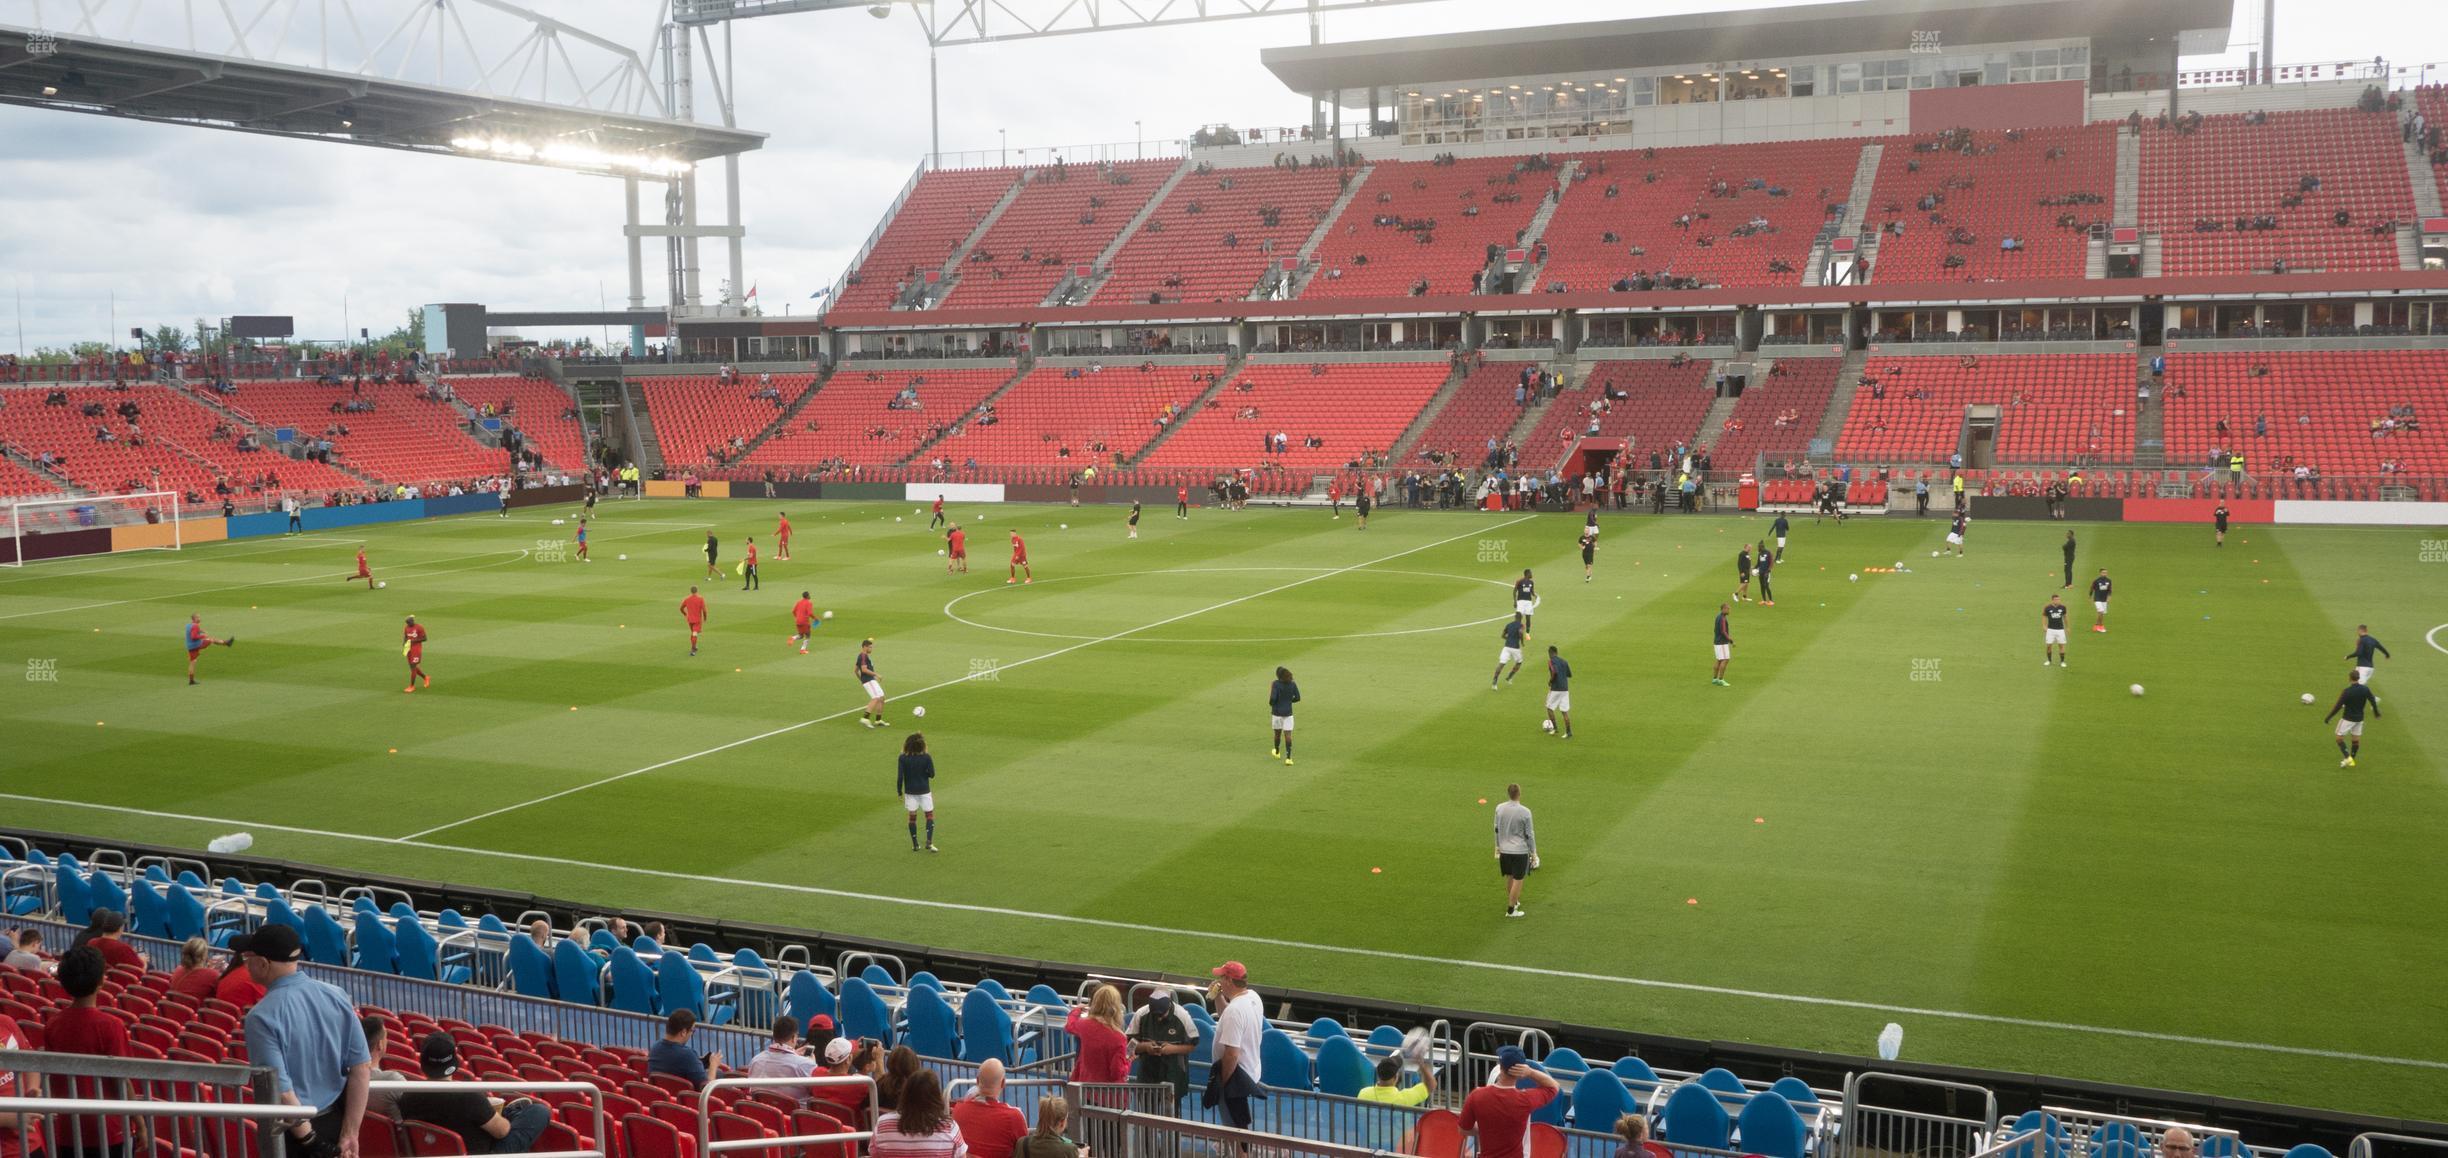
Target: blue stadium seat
[(2223, 1146), (149, 914), (863, 1013), (933, 1030), (182, 912), (2110, 1133), (326, 941), (632, 984), (1694, 1117), (759, 1001), (2308, 1150), (1724, 1082), (993, 987), (577, 975), (20, 888), (420, 956), (372, 947), (1769, 1126), (106, 892), (986, 1029), (1327, 1027), (401, 910), (1564, 1060), (1384, 1040), (2115, 1148), (531, 972), (807, 997), (1641, 1081), (1044, 997), (1795, 1091), (645, 946), (602, 942), (1281, 1063), (76, 900), (678, 986), (156, 874), (925, 980), (2049, 1140), (1599, 1098), (875, 975), (1342, 1070), (1565, 1064)]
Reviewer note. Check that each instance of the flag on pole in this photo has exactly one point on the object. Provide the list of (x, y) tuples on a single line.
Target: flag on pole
[(825, 292), (751, 290)]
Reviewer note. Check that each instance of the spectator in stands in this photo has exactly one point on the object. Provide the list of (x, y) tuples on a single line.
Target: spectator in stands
[(1497, 1115), (540, 931), (195, 976), (1634, 1128), (378, 1038), (306, 1032), (673, 1056), (1163, 1035), (1234, 1076), (2178, 1143), (25, 952), (784, 1057), (1104, 1053), (919, 1125), (85, 1028), (989, 1126), (899, 1066), (512, 1129), (103, 931), (238, 985)]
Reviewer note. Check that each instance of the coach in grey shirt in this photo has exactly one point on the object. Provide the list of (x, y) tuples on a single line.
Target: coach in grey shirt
[(1516, 847)]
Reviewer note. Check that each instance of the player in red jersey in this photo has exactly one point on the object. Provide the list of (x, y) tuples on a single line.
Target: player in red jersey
[(938, 520), (692, 609), (1181, 502), (1334, 497), (803, 616), (748, 571), (362, 572), (1019, 565), (412, 645), (197, 641), (582, 546), (782, 538), (957, 547)]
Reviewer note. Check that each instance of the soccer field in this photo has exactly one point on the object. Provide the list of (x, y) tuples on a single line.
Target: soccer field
[(1895, 813)]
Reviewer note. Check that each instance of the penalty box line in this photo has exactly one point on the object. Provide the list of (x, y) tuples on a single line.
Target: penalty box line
[(1057, 653)]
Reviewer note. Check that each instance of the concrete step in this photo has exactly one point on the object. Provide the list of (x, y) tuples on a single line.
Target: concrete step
[(1840, 404), (1304, 262), (1436, 405), (952, 265), (1102, 269), (2128, 207)]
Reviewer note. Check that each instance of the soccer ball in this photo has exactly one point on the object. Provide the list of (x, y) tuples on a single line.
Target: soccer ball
[(918, 711), (624, 558), (1933, 554), (2136, 689), (387, 583), (1899, 564), (1066, 526), (1855, 578), (939, 552), (1546, 725), (2307, 697), (896, 518), (828, 615)]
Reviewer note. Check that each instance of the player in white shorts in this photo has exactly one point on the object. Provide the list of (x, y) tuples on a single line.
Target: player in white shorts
[(1281, 696), (864, 668), (1509, 652), (2053, 631), (914, 779), (1525, 601)]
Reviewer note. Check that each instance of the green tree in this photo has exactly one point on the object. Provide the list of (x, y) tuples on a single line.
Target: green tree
[(166, 340), (404, 339)]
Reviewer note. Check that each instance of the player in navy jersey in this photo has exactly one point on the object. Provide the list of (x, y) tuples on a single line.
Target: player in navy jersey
[(2069, 560), (1525, 600), (1559, 694), (914, 779), (1281, 695), (1724, 640), (2352, 703), (864, 668), (1779, 528), (1134, 519), (2364, 647), (1955, 533), (2100, 589), (1589, 547), (2053, 631), (1742, 574), (1760, 567), (1510, 653), (2218, 519)]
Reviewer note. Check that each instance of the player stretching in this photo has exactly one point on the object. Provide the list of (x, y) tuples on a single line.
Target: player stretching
[(693, 612), (197, 641), (2354, 701), (1723, 637), (2364, 646), (362, 571), (1525, 600), (1181, 501), (712, 549), (1281, 695), (938, 520), (2218, 519), (1765, 564), (915, 781), (1742, 573), (2052, 636), (956, 547), (1134, 519), (1955, 533), (2100, 588), (864, 668), (1559, 694), (748, 571), (803, 617), (1019, 562), (782, 538), (412, 645), (582, 546), (1509, 653)]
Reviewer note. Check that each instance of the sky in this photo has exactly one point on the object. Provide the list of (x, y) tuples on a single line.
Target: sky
[(108, 224)]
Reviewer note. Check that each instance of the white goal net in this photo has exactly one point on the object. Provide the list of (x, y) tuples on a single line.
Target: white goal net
[(158, 511)]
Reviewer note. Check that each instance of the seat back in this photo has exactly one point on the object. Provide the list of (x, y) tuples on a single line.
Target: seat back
[(863, 1013), (1281, 1061), (2110, 1133), (730, 1127), (186, 913), (426, 1140), (149, 914), (644, 1136), (419, 956), (1342, 1070), (986, 1027), (576, 974), (376, 950), (808, 997), (1795, 1091), (677, 986), (379, 1137), (1546, 1141), (1599, 1097), (1438, 1135), (1694, 1117), (531, 972), (1769, 1126), (633, 984), (933, 1031)]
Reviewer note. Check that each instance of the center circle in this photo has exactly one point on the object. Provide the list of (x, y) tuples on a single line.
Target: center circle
[(951, 608)]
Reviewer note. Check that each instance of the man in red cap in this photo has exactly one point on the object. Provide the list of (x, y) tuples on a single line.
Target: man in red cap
[(1240, 1026)]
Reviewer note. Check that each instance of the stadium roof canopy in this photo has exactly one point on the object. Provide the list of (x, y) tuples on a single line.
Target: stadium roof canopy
[(176, 86), (1758, 34)]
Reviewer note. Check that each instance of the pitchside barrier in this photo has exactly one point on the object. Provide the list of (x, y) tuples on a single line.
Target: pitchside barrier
[(1900, 1116), (196, 1108)]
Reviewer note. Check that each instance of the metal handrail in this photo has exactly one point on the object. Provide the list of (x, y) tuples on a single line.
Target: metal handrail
[(594, 1102), (705, 1112)]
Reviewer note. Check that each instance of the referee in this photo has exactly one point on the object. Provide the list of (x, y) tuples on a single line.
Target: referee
[(1516, 847)]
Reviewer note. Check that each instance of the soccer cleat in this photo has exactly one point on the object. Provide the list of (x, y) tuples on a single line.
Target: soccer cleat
[(1720, 683), (191, 681), (931, 847), (1008, 581), (1028, 580), (1287, 761), (1767, 602), (803, 651), (1491, 685), (2045, 661), (864, 722), (2061, 663), (410, 689), (2350, 761), (1274, 753), (428, 680), (1515, 911)]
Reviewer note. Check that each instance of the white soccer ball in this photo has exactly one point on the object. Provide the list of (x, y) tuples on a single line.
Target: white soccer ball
[(1933, 554), (2136, 689), (1899, 564), (1855, 578), (382, 583), (939, 552), (896, 518), (1546, 725), (828, 615), (918, 711), (2307, 697), (624, 558), (1066, 526)]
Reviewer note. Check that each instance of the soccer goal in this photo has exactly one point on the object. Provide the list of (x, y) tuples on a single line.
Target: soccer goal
[(157, 509)]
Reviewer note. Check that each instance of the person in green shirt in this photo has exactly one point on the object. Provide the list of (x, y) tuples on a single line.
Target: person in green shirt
[(1393, 1131)]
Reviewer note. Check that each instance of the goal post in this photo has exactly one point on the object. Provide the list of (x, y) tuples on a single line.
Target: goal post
[(156, 513)]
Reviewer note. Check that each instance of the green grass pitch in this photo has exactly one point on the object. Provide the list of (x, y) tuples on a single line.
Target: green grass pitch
[(1895, 813)]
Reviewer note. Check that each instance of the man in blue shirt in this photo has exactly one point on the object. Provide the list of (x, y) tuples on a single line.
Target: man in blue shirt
[(1559, 694), (1281, 695), (1509, 653), (306, 1032), (673, 1056)]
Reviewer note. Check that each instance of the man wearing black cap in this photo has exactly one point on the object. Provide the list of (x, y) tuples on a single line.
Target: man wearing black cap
[(511, 1129), (306, 1032), (1163, 1035)]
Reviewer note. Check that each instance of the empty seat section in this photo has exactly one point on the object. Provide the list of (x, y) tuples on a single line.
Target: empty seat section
[(1066, 408), (18, 483), (1180, 253), (2051, 407), (403, 439), (1777, 415), (1369, 252), (178, 441), (696, 418), (1480, 409), (541, 413), (2044, 188), (851, 419), (1348, 408), (1063, 218), (1665, 405), (2310, 408), (2230, 168), (1778, 195), (940, 213)]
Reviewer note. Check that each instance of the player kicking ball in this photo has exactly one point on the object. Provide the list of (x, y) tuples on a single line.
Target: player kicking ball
[(693, 613), (1281, 695), (864, 668), (412, 645), (2053, 631), (197, 641), (362, 571), (2100, 588), (803, 617), (1509, 653), (2348, 711)]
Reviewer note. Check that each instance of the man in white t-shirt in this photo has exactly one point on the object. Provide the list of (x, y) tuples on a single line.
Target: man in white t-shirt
[(1240, 1028)]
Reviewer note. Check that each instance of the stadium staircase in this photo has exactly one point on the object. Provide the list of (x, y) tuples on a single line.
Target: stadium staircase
[(783, 420), (2128, 207), (1848, 380), (643, 446), (1712, 423), (1073, 290), (263, 431), (25, 463), (2426, 184), (952, 265), (1526, 280), (1233, 364), (1857, 202), (1401, 450), (1020, 370), (2153, 260), (2150, 418), (1305, 263)]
